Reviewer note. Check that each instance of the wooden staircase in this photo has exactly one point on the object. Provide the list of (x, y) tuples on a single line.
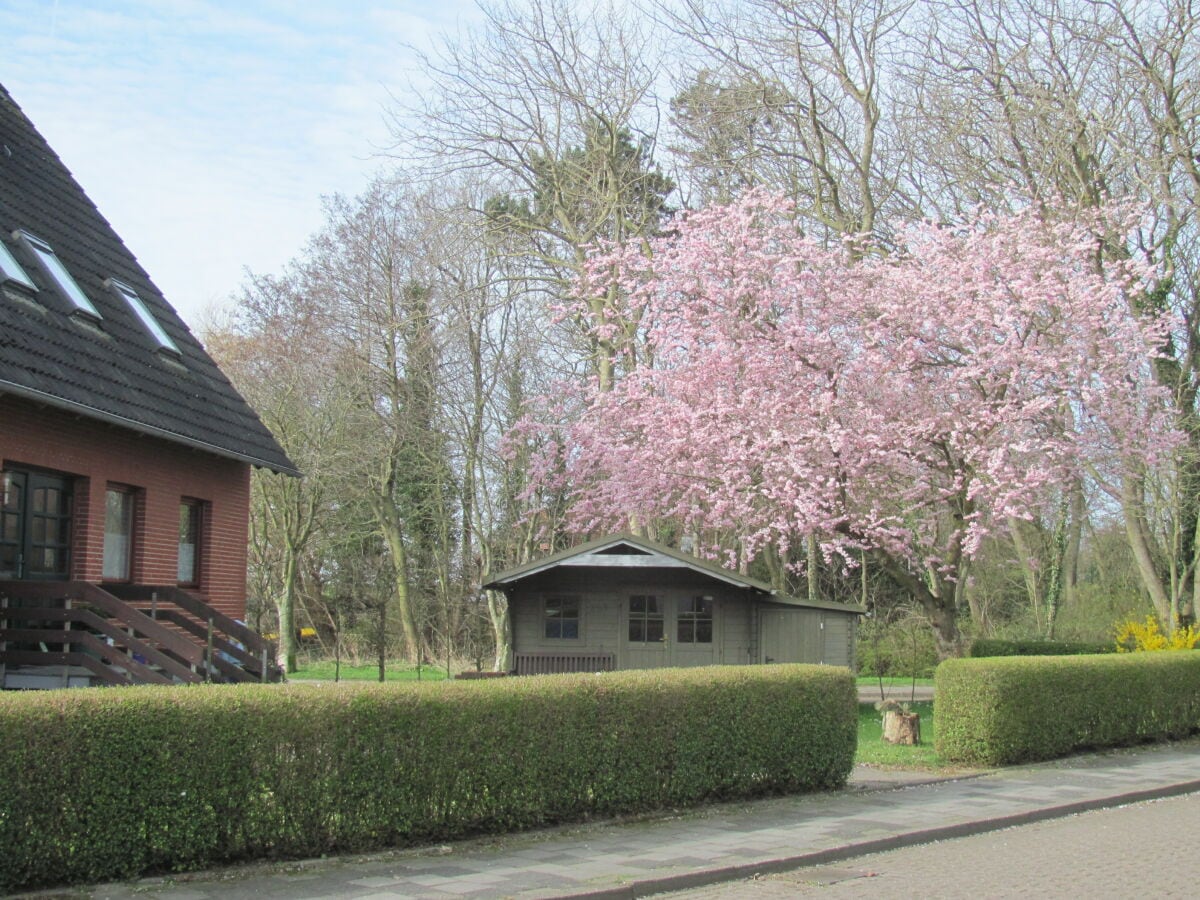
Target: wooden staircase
[(74, 633)]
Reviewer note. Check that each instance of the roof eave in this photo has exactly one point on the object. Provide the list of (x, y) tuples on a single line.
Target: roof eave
[(28, 393), (511, 576)]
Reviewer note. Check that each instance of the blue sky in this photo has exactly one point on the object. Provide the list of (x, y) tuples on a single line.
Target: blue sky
[(206, 131)]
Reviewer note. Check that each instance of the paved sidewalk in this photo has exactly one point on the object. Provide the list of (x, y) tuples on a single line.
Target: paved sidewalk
[(879, 811)]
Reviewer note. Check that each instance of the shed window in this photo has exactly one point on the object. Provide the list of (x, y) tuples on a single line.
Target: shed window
[(645, 618), (53, 267), (10, 269), (695, 621), (562, 617)]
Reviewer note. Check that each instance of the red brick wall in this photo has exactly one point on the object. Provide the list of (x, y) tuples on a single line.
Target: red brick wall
[(162, 473)]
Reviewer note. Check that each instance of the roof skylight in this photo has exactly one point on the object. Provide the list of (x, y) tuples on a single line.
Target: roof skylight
[(10, 269), (56, 270), (143, 312)]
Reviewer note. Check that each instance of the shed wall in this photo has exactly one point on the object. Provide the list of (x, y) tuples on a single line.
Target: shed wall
[(604, 594)]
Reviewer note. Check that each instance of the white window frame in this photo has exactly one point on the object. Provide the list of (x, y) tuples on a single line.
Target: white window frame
[(117, 562), (142, 311), (53, 266), (11, 270)]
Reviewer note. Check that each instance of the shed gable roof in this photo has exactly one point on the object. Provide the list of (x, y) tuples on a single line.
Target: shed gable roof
[(625, 551), (111, 369)]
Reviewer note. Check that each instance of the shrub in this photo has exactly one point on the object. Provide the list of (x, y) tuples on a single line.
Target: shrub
[(896, 650), (1015, 709), (986, 647), (1136, 636), (110, 783)]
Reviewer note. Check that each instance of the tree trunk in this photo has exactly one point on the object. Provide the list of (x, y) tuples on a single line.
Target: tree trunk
[(901, 728), (979, 612), (1139, 543), (811, 570), (939, 608), (393, 535), (1029, 569), (381, 642), (1058, 562), (1074, 541), (498, 615), (285, 655)]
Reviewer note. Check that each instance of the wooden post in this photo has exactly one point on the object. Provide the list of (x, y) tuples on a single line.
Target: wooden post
[(262, 675), (208, 652), (3, 644), (66, 677)]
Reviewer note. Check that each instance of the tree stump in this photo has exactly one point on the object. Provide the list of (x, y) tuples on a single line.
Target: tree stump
[(901, 727)]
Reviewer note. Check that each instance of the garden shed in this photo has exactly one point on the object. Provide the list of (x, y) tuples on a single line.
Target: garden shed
[(625, 602)]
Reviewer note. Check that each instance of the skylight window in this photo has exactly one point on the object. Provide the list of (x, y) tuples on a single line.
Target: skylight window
[(143, 312), (10, 269), (56, 270)]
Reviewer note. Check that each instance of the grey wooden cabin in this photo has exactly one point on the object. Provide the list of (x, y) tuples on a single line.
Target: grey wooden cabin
[(624, 602)]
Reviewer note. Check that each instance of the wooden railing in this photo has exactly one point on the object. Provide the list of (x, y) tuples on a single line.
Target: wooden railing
[(171, 638), (234, 649), (559, 663)]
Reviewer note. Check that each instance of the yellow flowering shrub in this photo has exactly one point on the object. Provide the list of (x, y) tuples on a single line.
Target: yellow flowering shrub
[(1134, 637)]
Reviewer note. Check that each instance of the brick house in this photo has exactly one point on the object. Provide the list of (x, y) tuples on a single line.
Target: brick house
[(125, 455)]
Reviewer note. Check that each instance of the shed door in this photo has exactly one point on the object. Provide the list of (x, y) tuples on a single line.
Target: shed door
[(646, 638), (670, 629), (791, 636), (697, 630)]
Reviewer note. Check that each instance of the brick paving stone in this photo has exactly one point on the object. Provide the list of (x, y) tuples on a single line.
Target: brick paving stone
[(1127, 851)]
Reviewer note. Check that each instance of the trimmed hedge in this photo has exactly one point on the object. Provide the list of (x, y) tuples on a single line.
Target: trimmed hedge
[(987, 647), (111, 783), (1018, 709)]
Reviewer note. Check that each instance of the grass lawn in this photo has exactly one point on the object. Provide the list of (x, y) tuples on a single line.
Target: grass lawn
[(323, 671), (873, 750), (872, 681)]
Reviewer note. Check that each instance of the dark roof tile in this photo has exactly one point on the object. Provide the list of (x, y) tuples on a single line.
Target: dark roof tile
[(112, 369)]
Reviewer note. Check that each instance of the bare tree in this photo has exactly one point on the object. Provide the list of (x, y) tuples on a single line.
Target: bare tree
[(800, 97), (552, 101), (279, 356)]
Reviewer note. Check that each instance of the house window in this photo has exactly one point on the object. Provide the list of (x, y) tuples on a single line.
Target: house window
[(139, 308), (561, 617), (118, 533), (10, 269), (694, 624), (645, 618), (53, 267), (190, 514)]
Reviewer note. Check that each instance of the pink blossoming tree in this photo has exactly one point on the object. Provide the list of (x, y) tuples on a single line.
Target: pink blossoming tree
[(892, 405)]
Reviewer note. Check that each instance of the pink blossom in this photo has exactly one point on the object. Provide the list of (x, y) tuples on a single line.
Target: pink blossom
[(901, 402)]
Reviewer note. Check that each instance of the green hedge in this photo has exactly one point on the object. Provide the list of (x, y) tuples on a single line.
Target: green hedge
[(109, 783), (1016, 709), (986, 647)]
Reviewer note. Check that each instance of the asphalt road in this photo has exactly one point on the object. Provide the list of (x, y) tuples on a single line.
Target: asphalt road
[(1141, 850)]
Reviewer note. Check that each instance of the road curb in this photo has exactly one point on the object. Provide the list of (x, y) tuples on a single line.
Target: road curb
[(690, 880)]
